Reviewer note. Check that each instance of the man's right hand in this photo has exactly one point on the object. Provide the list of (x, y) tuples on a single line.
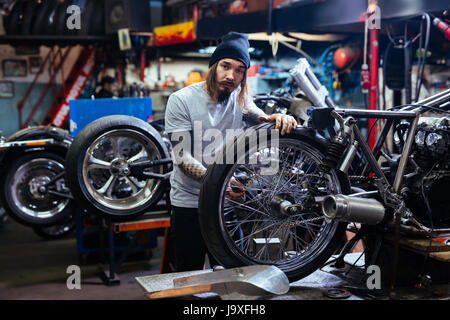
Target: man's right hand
[(235, 189)]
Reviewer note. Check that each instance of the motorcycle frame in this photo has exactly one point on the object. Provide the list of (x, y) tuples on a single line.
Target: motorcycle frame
[(405, 113)]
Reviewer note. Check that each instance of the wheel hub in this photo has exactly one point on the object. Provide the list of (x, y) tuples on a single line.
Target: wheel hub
[(37, 188), (283, 204), (119, 167)]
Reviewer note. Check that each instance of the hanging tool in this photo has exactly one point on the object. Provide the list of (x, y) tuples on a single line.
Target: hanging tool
[(373, 77), (443, 27)]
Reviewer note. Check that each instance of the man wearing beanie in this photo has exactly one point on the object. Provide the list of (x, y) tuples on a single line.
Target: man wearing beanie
[(217, 103)]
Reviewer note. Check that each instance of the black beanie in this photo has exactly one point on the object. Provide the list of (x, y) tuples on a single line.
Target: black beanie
[(234, 46)]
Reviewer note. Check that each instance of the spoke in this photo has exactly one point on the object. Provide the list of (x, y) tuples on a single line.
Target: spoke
[(272, 233), (139, 184), (132, 184), (95, 163), (295, 237), (239, 223), (255, 232), (135, 184), (114, 145), (279, 179), (247, 207), (141, 154), (107, 188)]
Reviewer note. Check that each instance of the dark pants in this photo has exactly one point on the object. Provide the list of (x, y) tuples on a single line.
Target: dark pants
[(188, 243)]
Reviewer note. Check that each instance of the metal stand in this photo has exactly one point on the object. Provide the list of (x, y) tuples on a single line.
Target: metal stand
[(109, 277), (159, 217)]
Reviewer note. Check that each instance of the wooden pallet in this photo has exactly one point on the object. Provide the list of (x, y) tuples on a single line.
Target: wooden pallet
[(437, 250)]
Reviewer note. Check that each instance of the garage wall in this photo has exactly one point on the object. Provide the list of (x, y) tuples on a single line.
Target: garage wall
[(9, 115)]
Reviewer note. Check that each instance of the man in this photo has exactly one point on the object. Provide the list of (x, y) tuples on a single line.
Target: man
[(107, 89), (217, 103)]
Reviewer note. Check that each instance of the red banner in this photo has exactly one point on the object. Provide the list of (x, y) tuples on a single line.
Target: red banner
[(74, 91)]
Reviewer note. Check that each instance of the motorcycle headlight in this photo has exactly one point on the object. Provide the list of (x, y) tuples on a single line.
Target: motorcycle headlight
[(420, 138), (433, 138)]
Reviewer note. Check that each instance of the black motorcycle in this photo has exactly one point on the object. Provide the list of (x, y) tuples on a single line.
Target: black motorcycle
[(33, 190), (295, 217)]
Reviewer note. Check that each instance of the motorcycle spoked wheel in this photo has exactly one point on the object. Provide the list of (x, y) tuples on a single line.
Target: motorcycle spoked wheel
[(96, 161), (23, 197), (253, 229)]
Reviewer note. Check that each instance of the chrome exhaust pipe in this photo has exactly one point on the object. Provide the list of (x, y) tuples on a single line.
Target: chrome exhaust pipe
[(353, 209)]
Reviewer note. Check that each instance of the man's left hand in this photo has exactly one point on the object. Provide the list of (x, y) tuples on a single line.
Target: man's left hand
[(283, 121)]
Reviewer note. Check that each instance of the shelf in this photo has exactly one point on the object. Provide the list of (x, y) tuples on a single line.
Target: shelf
[(338, 16), (46, 39)]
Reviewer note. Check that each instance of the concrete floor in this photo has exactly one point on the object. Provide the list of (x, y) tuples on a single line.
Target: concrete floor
[(35, 269)]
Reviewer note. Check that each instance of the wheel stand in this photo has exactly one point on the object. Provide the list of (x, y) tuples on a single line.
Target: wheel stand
[(154, 219)]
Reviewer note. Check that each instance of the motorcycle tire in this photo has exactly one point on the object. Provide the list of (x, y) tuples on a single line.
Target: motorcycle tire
[(97, 22), (234, 241), (57, 231), (3, 217), (20, 191), (42, 20), (92, 160), (13, 22), (93, 19), (31, 9), (60, 18)]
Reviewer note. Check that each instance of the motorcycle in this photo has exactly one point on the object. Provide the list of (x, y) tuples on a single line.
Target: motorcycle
[(328, 177), (294, 217), (33, 189)]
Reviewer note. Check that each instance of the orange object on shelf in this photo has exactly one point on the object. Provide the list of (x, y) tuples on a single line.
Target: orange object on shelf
[(194, 77)]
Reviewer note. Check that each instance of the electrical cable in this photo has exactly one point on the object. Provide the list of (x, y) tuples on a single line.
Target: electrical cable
[(430, 215), (371, 128), (427, 43), (420, 59)]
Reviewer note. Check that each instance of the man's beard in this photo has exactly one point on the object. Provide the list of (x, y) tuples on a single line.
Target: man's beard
[(223, 96)]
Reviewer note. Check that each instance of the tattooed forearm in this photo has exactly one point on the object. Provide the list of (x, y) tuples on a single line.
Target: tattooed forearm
[(182, 154), (253, 112), (192, 168)]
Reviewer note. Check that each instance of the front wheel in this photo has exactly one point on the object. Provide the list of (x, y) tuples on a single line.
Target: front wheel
[(276, 221), (98, 167)]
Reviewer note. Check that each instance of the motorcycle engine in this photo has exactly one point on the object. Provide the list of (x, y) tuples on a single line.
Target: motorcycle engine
[(428, 183)]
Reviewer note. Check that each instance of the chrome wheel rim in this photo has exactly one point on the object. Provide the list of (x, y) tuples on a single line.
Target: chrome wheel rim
[(259, 230), (106, 172), (29, 190)]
